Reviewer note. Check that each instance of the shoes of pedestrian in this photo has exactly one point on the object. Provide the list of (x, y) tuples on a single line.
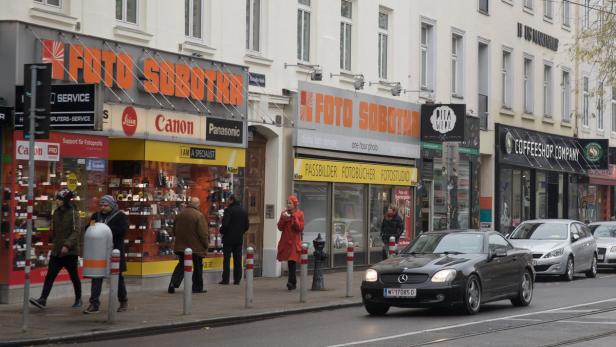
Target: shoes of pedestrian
[(77, 303), (291, 286), (236, 283), (91, 309), (202, 291), (40, 302), (223, 282), (123, 307), (171, 289)]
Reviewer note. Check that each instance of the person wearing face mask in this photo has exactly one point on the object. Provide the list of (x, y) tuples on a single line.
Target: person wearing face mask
[(117, 221), (291, 223), (392, 225), (65, 250)]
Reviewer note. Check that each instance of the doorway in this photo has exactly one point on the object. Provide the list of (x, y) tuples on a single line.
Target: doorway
[(254, 199)]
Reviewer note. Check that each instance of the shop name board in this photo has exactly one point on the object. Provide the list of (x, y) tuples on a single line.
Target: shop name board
[(338, 119), (256, 79), (43, 151), (118, 69), (443, 122), (539, 149), (223, 130), (349, 172), (537, 37)]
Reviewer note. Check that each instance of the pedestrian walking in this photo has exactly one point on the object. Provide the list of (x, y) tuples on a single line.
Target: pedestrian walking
[(234, 225), (190, 230), (392, 225), (110, 214), (65, 237), (291, 223)]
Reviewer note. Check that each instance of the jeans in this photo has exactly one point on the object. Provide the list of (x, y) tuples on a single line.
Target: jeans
[(55, 265), (197, 276), (292, 268), (97, 287), (236, 249)]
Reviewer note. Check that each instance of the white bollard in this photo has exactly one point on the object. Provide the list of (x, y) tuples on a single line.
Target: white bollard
[(250, 261), (392, 246), (349, 258), (303, 284), (113, 285), (188, 271)]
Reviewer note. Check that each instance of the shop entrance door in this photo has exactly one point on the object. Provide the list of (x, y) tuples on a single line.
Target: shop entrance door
[(255, 186), (554, 194)]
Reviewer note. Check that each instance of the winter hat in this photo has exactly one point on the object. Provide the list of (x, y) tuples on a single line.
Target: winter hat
[(65, 195), (109, 200), (293, 200)]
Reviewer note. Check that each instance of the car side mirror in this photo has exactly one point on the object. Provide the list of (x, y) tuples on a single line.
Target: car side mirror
[(575, 237), (497, 253)]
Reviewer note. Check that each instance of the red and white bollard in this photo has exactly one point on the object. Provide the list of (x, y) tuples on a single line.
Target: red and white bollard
[(303, 284), (250, 261), (392, 246), (349, 259), (188, 271), (113, 285)]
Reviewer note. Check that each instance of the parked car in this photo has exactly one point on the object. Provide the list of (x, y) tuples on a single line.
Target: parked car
[(463, 268), (560, 247), (605, 234)]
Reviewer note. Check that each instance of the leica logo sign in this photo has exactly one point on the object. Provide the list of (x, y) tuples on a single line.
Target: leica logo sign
[(129, 121)]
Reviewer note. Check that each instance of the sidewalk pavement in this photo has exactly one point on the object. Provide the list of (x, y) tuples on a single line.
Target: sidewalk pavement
[(156, 311)]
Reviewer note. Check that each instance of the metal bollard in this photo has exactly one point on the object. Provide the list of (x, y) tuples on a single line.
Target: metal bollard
[(250, 260), (188, 271), (113, 285), (303, 284), (392, 246), (349, 258)]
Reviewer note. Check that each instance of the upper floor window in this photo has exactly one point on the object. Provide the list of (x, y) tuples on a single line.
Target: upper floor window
[(126, 11), (303, 31), (457, 65), (56, 3), (346, 26), (600, 107), (507, 81), (547, 90), (383, 45), (566, 97), (586, 17), (566, 13), (484, 6), (253, 25), (528, 85), (585, 101), (529, 4), (427, 57), (193, 18), (614, 109), (548, 9)]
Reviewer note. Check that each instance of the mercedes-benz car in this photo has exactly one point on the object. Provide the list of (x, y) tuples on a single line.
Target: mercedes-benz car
[(560, 247), (459, 268), (605, 234)]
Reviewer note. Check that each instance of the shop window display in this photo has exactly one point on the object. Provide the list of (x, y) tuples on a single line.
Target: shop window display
[(313, 202), (380, 198), (505, 191), (348, 223)]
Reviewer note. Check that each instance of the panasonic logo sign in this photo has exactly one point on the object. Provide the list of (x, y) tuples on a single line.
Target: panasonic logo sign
[(224, 131)]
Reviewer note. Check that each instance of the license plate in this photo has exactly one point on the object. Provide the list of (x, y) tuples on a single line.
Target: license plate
[(399, 292), (534, 262), (601, 256)]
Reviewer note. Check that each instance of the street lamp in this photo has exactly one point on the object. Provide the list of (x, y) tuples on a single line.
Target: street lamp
[(315, 75)]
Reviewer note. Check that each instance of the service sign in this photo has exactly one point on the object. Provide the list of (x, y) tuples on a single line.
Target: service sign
[(343, 120), (6, 116), (443, 122)]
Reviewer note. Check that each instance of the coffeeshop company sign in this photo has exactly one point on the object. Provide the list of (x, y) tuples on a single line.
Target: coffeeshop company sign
[(442, 122)]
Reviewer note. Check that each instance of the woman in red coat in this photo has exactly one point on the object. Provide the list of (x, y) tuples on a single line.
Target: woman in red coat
[(291, 223)]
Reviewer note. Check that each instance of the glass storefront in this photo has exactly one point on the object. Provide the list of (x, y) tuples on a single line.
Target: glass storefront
[(452, 195), (348, 222), (514, 190)]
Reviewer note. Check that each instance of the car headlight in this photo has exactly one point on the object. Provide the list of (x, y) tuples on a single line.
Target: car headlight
[(613, 249), (371, 275), (555, 253), (444, 276)]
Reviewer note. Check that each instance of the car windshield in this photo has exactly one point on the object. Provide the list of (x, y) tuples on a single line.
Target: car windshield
[(540, 231), (601, 230), (454, 243)]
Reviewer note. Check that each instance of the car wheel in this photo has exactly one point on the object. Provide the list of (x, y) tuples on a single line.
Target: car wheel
[(472, 295), (376, 309), (592, 272), (568, 275), (525, 293)]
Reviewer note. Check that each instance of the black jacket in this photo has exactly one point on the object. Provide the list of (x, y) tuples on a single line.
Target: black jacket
[(392, 227), (118, 225), (234, 224)]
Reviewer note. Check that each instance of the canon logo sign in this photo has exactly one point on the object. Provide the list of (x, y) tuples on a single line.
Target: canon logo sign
[(175, 126)]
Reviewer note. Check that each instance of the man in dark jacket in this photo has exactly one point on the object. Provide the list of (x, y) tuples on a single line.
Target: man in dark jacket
[(190, 230), (65, 251), (392, 226), (117, 221), (234, 225)]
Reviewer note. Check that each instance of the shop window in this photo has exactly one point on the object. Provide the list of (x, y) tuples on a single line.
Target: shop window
[(440, 197), (460, 186), (348, 223), (380, 198), (505, 208), (541, 196), (313, 201), (573, 201)]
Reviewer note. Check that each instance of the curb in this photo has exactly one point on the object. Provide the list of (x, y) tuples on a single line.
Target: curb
[(166, 328)]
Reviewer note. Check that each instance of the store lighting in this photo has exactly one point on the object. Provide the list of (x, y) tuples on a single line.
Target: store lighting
[(315, 75)]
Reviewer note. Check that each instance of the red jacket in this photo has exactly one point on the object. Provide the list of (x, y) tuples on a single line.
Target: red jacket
[(290, 244)]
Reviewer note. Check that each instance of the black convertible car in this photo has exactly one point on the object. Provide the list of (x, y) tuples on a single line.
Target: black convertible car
[(463, 268)]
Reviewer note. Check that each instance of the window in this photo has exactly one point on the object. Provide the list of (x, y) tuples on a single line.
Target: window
[(484, 6), (253, 25), (614, 109), (566, 13), (548, 9), (528, 85), (193, 14), (565, 97), (457, 65), (383, 35), (56, 3), (528, 4), (427, 58), (600, 107), (506, 80), (586, 18), (585, 102), (346, 24), (303, 31), (126, 11), (547, 90)]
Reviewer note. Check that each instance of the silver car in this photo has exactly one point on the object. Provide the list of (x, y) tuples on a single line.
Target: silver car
[(605, 234), (559, 246)]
